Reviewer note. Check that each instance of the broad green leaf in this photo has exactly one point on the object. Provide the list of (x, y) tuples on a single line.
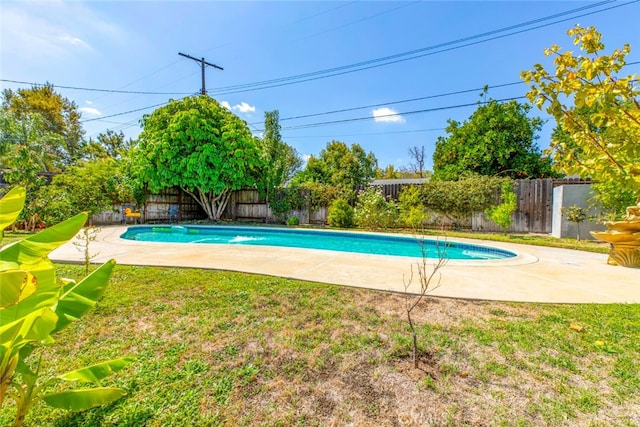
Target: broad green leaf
[(16, 286), (98, 371), (42, 326), (32, 250), (78, 298), (34, 327), (28, 376), (10, 206), (82, 399), (45, 296)]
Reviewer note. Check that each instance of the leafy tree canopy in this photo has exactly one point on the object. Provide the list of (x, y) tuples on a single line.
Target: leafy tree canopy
[(108, 144), (340, 166), (199, 146), (280, 161), (498, 139), (59, 116), (597, 111), (92, 186)]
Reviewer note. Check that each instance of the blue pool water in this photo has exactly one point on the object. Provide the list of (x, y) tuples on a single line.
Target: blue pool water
[(313, 239)]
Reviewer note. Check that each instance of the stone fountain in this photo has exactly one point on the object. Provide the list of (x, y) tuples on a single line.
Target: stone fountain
[(624, 237)]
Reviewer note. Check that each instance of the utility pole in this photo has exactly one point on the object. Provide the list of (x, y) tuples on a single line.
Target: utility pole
[(203, 63)]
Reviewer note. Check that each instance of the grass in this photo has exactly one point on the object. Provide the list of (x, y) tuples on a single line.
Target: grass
[(219, 348), (532, 239)]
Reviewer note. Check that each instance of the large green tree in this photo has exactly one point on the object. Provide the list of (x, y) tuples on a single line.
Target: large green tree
[(199, 146), (340, 166), (498, 139), (59, 116), (107, 144), (597, 111), (280, 161), (92, 186), (27, 150)]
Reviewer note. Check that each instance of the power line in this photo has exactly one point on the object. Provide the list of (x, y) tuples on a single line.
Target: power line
[(322, 74), (459, 92), (96, 90), (358, 64), (407, 113), (367, 133), (123, 113)]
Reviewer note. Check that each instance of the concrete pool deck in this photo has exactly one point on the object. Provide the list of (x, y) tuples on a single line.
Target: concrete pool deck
[(537, 274)]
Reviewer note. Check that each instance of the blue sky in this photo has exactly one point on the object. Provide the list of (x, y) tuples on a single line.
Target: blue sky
[(133, 46)]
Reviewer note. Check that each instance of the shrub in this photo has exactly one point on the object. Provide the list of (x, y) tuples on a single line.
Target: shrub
[(374, 211), (411, 207), (501, 214), (293, 220), (340, 214), (457, 200), (286, 200), (317, 195)]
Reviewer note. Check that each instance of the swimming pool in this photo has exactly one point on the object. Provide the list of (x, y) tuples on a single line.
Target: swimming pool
[(376, 244)]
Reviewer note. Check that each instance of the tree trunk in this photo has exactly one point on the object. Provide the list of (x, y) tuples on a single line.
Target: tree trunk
[(415, 351), (213, 204)]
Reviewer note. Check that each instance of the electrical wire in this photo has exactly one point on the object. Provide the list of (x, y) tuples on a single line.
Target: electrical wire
[(459, 92), (123, 113), (96, 90), (346, 66), (361, 65), (407, 113), (366, 134)]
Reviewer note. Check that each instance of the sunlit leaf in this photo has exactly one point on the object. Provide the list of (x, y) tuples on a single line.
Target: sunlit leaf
[(98, 371), (82, 399), (34, 248), (11, 205), (78, 298), (16, 286)]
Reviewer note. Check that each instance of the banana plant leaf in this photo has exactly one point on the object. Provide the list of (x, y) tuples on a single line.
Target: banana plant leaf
[(10, 206), (77, 298), (96, 372), (35, 248), (35, 326), (81, 399), (31, 253), (16, 286)]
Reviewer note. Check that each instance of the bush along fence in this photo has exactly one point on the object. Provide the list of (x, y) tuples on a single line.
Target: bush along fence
[(458, 204)]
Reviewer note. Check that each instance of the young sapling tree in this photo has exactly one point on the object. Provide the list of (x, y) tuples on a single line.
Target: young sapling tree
[(575, 214), (428, 280)]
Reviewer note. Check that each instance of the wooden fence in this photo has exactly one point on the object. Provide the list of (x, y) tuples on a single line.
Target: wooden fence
[(534, 209), (534, 213)]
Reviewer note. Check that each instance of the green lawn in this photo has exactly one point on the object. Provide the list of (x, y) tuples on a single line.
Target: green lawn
[(221, 348)]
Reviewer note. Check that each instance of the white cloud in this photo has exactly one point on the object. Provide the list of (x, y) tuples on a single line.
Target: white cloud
[(306, 157), (74, 41), (91, 111), (387, 115), (243, 107)]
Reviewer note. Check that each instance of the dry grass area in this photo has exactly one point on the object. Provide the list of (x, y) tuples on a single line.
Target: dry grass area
[(219, 348)]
